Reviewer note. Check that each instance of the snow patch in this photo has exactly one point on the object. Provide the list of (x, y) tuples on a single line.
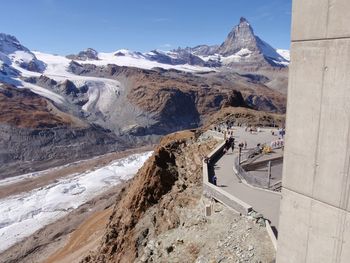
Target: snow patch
[(22, 215), (244, 52), (285, 53)]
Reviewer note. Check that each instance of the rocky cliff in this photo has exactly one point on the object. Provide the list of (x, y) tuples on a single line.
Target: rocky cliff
[(158, 217)]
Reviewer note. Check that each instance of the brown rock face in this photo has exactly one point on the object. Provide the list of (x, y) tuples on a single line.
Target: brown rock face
[(25, 109), (148, 205), (153, 181), (235, 99), (245, 116)]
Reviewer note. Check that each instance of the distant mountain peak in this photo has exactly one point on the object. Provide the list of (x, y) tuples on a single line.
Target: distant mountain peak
[(13, 52), (241, 36), (243, 20), (10, 44), (241, 40), (87, 54)]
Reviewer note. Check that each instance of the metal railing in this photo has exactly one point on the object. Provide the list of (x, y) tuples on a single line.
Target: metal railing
[(250, 178)]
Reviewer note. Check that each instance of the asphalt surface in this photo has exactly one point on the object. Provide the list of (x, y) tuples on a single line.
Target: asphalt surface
[(262, 201)]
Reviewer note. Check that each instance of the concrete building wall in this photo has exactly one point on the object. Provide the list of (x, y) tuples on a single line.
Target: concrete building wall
[(314, 217)]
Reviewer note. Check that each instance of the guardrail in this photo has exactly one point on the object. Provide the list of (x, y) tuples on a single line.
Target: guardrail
[(212, 191), (248, 178)]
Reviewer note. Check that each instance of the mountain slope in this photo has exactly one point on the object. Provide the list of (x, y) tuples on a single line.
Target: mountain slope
[(126, 97), (36, 135), (242, 41)]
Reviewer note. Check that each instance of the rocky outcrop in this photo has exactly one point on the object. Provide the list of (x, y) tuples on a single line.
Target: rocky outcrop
[(35, 135), (201, 50), (161, 176), (245, 116), (178, 57), (88, 54), (234, 99)]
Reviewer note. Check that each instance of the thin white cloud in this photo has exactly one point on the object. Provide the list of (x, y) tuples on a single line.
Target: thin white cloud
[(166, 45)]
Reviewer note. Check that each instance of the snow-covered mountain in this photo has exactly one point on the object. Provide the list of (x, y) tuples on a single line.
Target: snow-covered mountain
[(242, 41), (101, 101), (241, 48), (14, 54), (63, 79)]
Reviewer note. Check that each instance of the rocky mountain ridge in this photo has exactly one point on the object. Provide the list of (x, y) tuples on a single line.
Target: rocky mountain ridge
[(158, 216), (242, 48), (155, 94)]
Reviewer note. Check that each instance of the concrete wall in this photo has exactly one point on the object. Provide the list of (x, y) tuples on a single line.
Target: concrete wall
[(212, 191), (314, 217)]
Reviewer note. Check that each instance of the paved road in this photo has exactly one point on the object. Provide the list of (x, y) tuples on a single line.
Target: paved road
[(264, 202)]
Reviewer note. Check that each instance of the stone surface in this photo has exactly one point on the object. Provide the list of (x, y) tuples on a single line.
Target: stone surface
[(331, 19), (339, 19), (315, 195), (304, 27), (305, 78)]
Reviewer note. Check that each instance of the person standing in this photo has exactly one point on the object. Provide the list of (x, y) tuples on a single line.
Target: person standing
[(215, 180)]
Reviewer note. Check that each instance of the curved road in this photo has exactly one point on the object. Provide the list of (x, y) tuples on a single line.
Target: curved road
[(264, 202)]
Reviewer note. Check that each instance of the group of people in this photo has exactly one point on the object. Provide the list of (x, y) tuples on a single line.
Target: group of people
[(277, 144), (225, 127), (229, 143)]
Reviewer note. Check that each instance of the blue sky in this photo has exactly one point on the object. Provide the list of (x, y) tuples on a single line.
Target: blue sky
[(68, 26)]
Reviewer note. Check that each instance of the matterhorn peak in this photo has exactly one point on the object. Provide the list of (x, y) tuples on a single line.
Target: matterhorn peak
[(243, 20), (241, 37)]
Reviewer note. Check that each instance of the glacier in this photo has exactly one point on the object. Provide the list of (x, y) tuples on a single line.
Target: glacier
[(21, 215)]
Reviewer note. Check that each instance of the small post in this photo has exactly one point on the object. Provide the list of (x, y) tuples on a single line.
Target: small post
[(208, 209), (239, 155), (269, 173)]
